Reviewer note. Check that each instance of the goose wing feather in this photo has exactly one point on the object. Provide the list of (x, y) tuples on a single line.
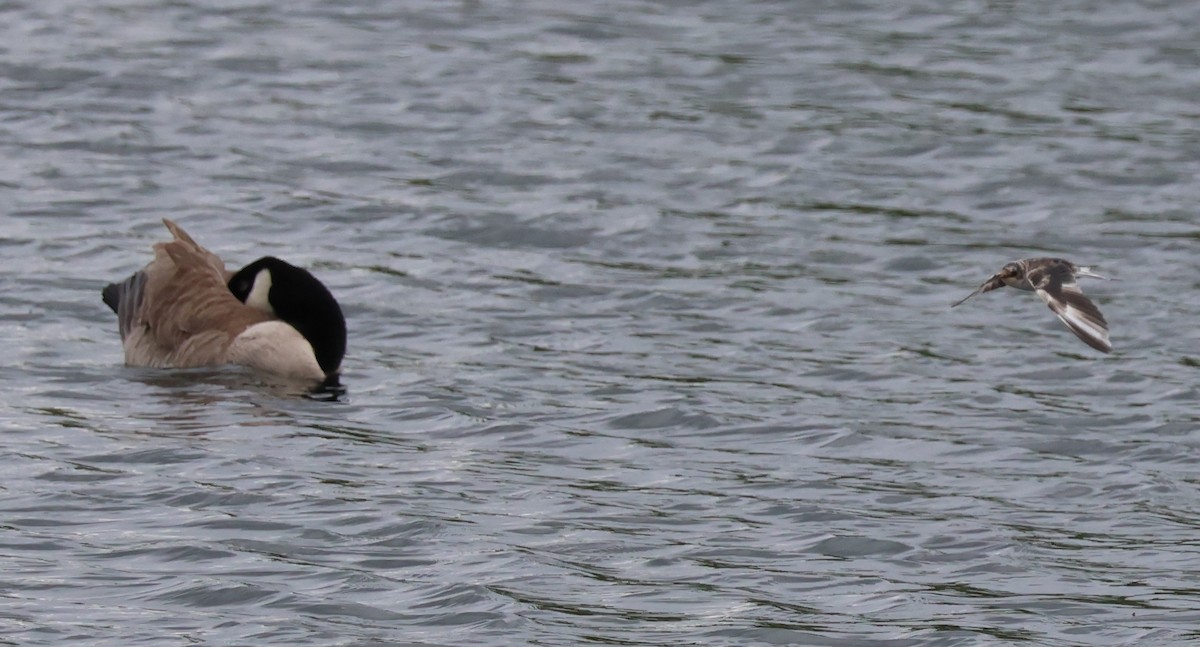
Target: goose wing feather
[(178, 310)]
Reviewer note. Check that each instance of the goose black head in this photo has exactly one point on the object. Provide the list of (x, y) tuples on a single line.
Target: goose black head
[(297, 298)]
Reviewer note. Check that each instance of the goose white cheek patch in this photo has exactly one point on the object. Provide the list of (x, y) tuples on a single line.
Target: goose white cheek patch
[(259, 296)]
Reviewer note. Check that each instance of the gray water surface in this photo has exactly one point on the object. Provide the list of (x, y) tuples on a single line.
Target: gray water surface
[(650, 338)]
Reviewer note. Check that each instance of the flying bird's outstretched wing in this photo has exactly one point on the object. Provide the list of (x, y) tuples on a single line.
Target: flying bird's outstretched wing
[(1056, 285)]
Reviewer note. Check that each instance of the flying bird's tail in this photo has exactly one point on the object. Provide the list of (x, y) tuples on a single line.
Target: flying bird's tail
[(1087, 271)]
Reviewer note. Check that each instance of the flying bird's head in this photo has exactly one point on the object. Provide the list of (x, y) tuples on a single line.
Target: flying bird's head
[(1011, 274)]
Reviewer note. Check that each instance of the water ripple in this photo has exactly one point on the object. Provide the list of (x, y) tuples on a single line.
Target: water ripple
[(650, 338)]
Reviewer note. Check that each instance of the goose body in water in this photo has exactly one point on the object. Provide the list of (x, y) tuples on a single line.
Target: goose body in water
[(184, 309)]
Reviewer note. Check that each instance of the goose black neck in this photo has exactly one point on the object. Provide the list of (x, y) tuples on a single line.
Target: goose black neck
[(301, 301)]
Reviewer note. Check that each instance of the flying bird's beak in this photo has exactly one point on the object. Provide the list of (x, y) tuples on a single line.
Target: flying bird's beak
[(960, 301), (991, 284)]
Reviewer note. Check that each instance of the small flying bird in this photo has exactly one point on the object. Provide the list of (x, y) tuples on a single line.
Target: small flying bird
[(1054, 281)]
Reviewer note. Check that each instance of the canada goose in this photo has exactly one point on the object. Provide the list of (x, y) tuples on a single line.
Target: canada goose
[(184, 309)]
